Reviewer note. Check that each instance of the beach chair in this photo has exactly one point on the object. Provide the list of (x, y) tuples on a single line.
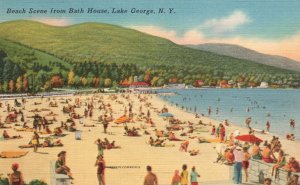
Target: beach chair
[(58, 179)]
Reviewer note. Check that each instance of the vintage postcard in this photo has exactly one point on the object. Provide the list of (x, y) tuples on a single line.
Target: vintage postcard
[(174, 92)]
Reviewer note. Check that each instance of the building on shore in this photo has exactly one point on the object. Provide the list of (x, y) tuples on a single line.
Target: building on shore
[(263, 85)]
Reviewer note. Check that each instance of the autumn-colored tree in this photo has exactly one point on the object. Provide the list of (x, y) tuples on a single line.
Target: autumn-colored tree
[(71, 76), (147, 76), (11, 85), (56, 81), (25, 84), (47, 85), (84, 81), (173, 80), (154, 81), (96, 81), (130, 80), (19, 84), (107, 82)]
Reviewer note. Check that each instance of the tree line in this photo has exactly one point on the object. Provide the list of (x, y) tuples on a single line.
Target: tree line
[(16, 78)]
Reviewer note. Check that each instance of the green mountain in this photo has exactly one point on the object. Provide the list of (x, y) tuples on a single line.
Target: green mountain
[(248, 54), (108, 43), (27, 57), (103, 55)]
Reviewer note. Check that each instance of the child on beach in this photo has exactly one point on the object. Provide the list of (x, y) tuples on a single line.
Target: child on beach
[(213, 130), (184, 175), (176, 178), (194, 176)]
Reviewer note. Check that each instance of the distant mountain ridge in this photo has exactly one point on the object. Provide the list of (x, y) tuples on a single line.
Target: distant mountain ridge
[(248, 54), (104, 55)]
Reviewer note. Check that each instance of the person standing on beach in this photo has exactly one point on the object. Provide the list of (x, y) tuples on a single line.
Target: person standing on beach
[(222, 132), (15, 178), (100, 170), (35, 141), (184, 175), (194, 176), (176, 178), (213, 130), (238, 159), (245, 163), (150, 178), (100, 147), (105, 124)]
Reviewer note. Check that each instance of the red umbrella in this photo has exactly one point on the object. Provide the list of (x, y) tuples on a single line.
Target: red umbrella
[(248, 138)]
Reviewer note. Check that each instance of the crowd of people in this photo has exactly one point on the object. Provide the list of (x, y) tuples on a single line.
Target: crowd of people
[(176, 131)]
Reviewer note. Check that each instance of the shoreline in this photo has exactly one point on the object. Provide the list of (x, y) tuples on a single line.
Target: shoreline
[(134, 150), (234, 126)]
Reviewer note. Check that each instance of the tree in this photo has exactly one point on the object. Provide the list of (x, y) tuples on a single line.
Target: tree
[(77, 81), (147, 76), (25, 84), (71, 76), (130, 80), (47, 85), (19, 84), (160, 82), (56, 81), (5, 86), (107, 82), (11, 86), (96, 81), (84, 81), (154, 81)]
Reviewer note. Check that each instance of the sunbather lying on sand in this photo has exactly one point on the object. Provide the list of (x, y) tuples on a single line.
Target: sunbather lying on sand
[(48, 143), (172, 137), (3, 126), (7, 136), (194, 152), (131, 132)]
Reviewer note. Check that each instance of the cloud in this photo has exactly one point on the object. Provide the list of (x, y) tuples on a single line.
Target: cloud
[(226, 24), (190, 37), (287, 46), (54, 22)]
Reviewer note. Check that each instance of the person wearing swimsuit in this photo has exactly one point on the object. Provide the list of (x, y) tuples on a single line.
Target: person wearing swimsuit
[(16, 178)]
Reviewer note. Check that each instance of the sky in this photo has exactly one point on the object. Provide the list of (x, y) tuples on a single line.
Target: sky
[(267, 26)]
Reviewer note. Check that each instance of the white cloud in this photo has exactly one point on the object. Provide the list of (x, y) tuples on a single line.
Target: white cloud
[(192, 36), (287, 47), (54, 22), (226, 24)]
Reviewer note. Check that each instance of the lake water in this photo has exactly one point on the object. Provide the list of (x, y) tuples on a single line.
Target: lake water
[(238, 104)]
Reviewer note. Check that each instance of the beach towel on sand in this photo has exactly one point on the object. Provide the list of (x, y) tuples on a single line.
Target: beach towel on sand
[(13, 154), (122, 119)]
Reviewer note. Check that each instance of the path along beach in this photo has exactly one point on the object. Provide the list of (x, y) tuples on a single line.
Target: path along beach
[(135, 153)]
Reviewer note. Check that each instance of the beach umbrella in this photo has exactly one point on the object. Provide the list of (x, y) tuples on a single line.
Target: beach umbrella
[(166, 114), (248, 138)]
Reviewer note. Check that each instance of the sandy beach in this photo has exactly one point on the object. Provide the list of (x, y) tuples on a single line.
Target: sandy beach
[(134, 155)]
